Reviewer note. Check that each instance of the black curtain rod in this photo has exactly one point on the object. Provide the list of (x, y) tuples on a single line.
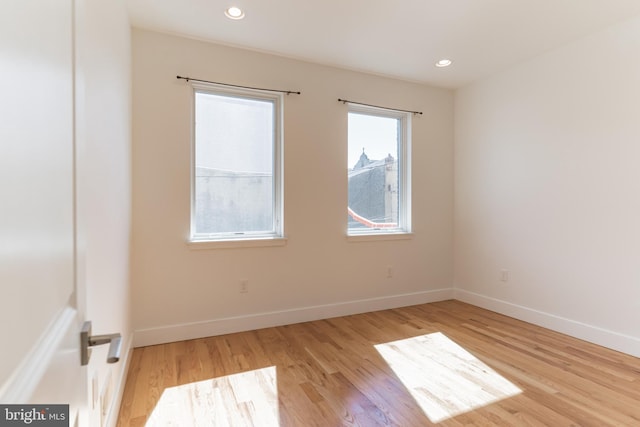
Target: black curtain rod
[(344, 101), (288, 92)]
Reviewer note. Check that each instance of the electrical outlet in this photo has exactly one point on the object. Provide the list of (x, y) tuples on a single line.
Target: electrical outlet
[(244, 286), (389, 271), (504, 275)]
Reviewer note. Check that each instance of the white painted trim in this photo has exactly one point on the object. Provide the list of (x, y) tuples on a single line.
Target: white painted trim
[(208, 328), (116, 402), (594, 334), (253, 242), (25, 378), (378, 236)]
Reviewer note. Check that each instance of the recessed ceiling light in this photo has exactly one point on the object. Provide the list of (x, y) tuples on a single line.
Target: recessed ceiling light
[(234, 13), (443, 63)]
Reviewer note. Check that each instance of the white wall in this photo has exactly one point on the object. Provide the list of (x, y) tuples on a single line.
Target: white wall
[(547, 186), (103, 111), (180, 293)]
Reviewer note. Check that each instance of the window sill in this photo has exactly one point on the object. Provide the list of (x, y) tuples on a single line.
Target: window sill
[(236, 243), (378, 237)]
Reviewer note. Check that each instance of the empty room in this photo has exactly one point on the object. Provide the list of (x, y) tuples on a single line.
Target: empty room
[(341, 213)]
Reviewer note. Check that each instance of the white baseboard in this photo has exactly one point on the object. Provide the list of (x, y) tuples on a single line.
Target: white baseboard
[(186, 331), (116, 402), (606, 338)]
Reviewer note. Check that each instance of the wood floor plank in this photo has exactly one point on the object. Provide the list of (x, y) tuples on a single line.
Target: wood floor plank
[(447, 364)]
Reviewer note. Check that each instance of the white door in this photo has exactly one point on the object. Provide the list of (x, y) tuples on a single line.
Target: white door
[(41, 300)]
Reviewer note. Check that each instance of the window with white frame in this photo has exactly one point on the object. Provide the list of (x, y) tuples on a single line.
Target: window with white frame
[(236, 167), (378, 171)]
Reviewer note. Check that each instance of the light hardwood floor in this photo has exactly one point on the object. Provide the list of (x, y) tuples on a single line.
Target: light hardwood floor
[(445, 364)]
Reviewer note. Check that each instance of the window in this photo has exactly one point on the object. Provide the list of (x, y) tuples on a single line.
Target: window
[(236, 171), (378, 171)]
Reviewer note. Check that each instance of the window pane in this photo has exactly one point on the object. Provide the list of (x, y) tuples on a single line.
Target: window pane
[(373, 171), (234, 162)]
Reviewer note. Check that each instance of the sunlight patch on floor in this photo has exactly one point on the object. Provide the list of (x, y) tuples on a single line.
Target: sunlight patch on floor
[(245, 399), (444, 378)]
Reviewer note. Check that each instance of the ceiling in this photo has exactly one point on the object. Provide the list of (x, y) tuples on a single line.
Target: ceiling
[(396, 38)]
